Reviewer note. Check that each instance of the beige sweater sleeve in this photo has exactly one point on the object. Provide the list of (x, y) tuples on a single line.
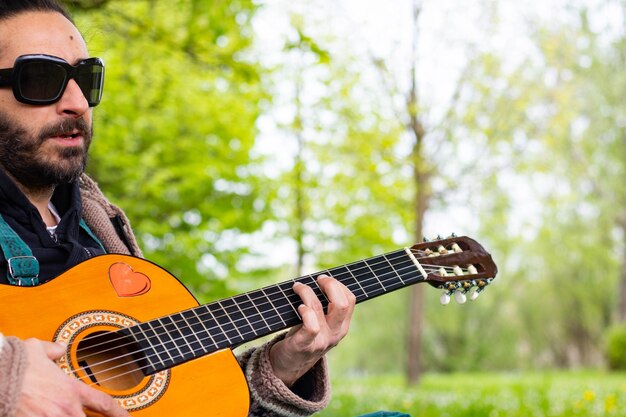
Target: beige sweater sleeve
[(271, 397), (12, 365), (98, 211)]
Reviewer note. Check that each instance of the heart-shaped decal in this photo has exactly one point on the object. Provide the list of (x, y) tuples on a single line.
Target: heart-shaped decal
[(126, 282)]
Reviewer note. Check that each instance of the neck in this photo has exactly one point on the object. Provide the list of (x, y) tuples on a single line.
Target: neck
[(233, 321), (41, 200), (39, 197)]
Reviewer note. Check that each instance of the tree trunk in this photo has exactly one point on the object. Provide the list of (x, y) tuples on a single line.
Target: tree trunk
[(621, 305), (421, 178), (416, 314)]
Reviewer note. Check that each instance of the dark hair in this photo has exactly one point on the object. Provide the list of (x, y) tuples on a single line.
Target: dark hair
[(11, 8)]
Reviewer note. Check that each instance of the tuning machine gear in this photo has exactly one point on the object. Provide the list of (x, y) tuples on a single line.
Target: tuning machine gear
[(480, 286)]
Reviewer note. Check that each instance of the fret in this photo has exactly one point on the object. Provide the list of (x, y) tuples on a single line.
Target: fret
[(385, 273), (325, 300), (219, 325), (290, 304), (197, 329), (165, 338), (154, 351), (286, 297), (158, 346), (375, 275), (244, 305), (178, 335), (368, 279), (316, 288), (273, 320), (275, 311), (174, 339), (394, 271), (224, 325), (239, 321), (256, 303), (202, 323), (145, 351), (341, 272), (213, 329)]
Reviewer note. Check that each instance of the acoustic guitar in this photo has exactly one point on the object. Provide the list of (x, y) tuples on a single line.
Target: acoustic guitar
[(135, 332)]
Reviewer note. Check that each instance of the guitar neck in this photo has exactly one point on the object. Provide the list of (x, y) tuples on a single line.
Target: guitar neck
[(171, 340)]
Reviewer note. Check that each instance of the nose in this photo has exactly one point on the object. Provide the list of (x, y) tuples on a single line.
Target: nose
[(73, 102)]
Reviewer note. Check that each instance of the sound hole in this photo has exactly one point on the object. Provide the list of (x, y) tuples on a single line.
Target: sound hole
[(110, 360)]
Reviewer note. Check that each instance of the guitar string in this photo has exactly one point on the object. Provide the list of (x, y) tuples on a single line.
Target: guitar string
[(233, 322), (191, 350), (267, 300), (155, 354), (281, 291), (148, 356), (244, 316)]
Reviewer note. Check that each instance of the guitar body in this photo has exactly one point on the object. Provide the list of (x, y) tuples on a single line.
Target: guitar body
[(108, 293)]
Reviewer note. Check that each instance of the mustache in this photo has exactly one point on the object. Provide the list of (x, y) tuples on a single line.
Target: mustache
[(66, 126)]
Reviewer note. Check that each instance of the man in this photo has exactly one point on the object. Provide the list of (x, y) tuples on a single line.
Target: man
[(48, 88)]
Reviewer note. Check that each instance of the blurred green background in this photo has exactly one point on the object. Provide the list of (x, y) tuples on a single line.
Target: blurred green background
[(254, 141)]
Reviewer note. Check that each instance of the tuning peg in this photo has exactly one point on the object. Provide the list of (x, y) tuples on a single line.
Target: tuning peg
[(453, 234), (445, 298), (425, 239), (480, 287), (476, 293), (467, 286), (460, 297), (456, 248), (457, 270)]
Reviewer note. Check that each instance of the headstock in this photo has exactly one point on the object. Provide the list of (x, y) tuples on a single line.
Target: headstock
[(456, 264)]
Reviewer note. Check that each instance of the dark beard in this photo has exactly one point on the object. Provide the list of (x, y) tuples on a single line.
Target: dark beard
[(19, 154)]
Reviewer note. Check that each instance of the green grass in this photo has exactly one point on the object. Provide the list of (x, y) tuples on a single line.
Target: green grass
[(550, 394)]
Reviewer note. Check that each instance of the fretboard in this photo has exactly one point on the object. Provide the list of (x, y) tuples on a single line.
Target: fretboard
[(180, 337)]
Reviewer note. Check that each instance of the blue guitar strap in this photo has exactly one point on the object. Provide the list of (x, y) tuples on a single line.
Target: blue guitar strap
[(22, 266)]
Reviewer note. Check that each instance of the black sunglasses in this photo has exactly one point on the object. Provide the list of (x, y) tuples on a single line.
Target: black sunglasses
[(42, 79)]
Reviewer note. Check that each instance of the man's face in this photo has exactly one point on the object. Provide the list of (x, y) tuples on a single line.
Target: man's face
[(46, 145)]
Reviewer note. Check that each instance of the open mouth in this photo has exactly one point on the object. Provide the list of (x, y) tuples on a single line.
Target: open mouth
[(68, 135)]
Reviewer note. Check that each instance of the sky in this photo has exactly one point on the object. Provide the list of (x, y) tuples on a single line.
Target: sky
[(449, 30)]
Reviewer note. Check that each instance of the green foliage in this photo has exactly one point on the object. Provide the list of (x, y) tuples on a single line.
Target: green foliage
[(376, 342), (480, 394), (345, 195), (537, 150), (616, 347), (85, 4), (174, 133), (555, 210)]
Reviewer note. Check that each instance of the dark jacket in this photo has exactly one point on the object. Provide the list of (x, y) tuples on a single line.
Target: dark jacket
[(73, 244)]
